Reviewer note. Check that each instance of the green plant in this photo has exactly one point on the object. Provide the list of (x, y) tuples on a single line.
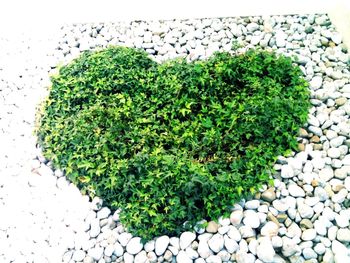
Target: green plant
[(175, 142)]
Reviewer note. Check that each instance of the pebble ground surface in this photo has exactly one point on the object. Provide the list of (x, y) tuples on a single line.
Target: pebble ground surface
[(303, 218)]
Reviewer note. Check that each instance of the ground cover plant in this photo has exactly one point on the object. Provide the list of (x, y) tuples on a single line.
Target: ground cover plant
[(174, 142)]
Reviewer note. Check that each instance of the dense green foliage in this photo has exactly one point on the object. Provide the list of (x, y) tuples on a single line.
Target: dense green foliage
[(175, 142)]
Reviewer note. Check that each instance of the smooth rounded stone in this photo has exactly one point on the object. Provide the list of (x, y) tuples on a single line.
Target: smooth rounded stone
[(252, 204), (308, 234), (251, 219), (319, 248), (118, 249), (168, 255), (134, 246), (326, 174), (199, 227), (128, 258), (321, 194), (315, 130), (230, 244), (224, 255), (213, 259), (78, 255), (309, 253), (103, 213), (290, 247), (276, 241), (175, 241), (347, 183), (186, 239), (88, 259), (141, 257), (333, 153), (306, 223), (216, 243), (295, 190), (109, 250), (243, 257), (191, 253), (212, 227), (203, 249), (294, 231), (94, 228), (340, 258), (199, 260), (342, 173), (281, 205), (269, 195), (270, 229), (287, 171), (342, 219), (247, 231), (234, 234), (265, 250), (235, 218), (253, 244), (316, 82), (223, 230), (305, 211), (96, 253), (243, 245), (150, 245), (343, 235), (124, 238), (332, 232), (318, 162), (339, 248), (152, 257), (160, 245), (328, 256), (173, 250), (182, 257)]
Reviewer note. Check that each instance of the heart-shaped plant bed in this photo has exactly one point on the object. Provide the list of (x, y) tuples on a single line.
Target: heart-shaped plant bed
[(174, 142)]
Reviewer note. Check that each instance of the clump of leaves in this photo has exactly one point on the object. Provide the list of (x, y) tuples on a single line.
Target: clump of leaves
[(174, 142)]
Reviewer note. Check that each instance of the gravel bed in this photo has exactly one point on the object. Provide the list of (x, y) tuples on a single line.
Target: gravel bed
[(303, 218)]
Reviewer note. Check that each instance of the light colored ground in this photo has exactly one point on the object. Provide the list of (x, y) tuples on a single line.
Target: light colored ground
[(39, 16)]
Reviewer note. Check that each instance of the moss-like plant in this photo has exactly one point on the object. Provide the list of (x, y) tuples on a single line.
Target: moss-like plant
[(174, 142)]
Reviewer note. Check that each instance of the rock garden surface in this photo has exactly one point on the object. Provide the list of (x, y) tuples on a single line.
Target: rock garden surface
[(303, 218)]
